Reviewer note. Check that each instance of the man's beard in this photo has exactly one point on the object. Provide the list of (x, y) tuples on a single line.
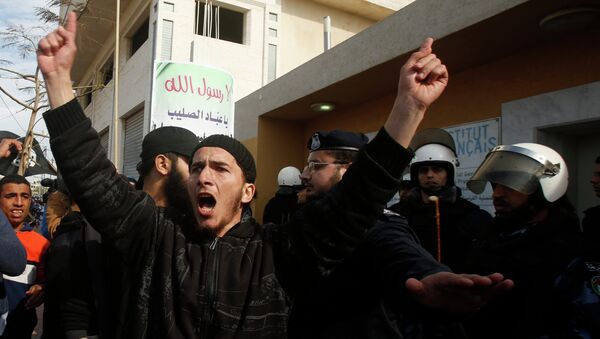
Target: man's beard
[(517, 216), (176, 192), (337, 177)]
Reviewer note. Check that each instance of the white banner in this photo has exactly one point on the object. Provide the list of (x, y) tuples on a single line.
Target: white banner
[(195, 97)]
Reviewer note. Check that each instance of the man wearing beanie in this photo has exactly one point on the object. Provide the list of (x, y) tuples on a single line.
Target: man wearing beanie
[(221, 275), (164, 166)]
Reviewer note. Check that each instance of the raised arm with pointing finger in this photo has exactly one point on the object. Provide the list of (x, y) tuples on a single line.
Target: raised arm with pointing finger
[(423, 78)]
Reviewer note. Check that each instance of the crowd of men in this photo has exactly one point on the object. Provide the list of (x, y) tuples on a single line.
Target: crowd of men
[(181, 256)]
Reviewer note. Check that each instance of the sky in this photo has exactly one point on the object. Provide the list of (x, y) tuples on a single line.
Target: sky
[(12, 117)]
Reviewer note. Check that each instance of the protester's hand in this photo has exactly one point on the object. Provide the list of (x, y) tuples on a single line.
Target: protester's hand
[(36, 296), (422, 80), (56, 52), (457, 293), (6, 146), (55, 55)]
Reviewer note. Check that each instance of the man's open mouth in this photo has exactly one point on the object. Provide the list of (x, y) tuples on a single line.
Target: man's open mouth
[(16, 213), (206, 203)]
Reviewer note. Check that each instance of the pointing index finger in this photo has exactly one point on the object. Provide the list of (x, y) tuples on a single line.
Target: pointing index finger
[(71, 24), (426, 45)]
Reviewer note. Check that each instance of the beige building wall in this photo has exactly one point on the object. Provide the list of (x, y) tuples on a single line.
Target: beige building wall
[(478, 93), (474, 93), (302, 30)]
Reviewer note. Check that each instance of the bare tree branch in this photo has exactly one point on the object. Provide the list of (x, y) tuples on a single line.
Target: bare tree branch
[(15, 99), (22, 38), (20, 75)]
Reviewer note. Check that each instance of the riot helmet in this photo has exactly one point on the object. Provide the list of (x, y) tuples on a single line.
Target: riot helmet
[(289, 176), (434, 147), (523, 167)]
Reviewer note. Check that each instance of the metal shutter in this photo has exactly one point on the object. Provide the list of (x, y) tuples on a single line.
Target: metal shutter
[(167, 40), (133, 143), (104, 139)]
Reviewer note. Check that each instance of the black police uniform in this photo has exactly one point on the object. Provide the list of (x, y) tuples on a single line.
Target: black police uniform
[(281, 207), (459, 221), (532, 255), (365, 296)]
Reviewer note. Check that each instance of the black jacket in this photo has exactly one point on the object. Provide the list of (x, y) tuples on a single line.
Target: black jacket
[(532, 255), (75, 297), (459, 223), (365, 297), (185, 285), (281, 207), (590, 225), (591, 221)]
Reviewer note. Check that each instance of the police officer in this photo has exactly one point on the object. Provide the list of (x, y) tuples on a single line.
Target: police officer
[(432, 172), (533, 237), (365, 297), (282, 206)]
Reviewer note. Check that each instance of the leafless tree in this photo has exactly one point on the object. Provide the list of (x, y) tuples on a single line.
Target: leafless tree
[(24, 40)]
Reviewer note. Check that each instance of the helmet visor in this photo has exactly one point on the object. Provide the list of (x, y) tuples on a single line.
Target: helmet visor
[(514, 170)]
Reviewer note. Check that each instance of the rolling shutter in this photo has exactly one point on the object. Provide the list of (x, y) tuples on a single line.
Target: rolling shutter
[(132, 143), (104, 139)]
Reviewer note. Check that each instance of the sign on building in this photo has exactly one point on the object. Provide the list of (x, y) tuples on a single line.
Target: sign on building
[(195, 97), (473, 142)]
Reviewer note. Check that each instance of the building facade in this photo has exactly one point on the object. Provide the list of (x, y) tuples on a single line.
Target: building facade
[(256, 41)]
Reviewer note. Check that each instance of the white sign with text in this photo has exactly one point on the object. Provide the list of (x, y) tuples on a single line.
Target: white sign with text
[(473, 142)]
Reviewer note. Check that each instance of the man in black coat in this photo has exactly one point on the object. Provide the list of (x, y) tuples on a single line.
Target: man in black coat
[(532, 239), (365, 297), (284, 204)]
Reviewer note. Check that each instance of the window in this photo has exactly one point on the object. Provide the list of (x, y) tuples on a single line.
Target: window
[(272, 71), (273, 32), (104, 139), (169, 6), (273, 16), (218, 22), (133, 143), (107, 71), (139, 37), (167, 40)]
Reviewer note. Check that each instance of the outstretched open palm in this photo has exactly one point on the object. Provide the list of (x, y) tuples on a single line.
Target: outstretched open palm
[(457, 293)]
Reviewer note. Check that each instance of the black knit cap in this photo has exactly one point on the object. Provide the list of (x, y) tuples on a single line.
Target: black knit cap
[(240, 153), (336, 140), (168, 139)]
